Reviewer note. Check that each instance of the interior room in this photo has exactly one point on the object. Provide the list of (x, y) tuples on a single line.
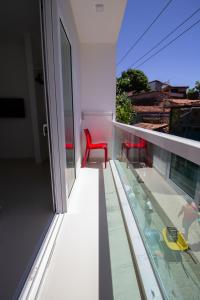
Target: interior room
[(26, 198)]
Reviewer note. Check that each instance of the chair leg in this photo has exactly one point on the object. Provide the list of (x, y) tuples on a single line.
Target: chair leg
[(127, 153), (122, 149), (85, 157), (127, 157), (88, 154), (106, 156), (148, 159), (139, 155)]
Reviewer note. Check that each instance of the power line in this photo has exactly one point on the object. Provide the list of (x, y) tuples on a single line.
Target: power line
[(146, 30), (172, 41), (166, 37)]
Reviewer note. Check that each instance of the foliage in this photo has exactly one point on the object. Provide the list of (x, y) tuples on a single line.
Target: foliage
[(175, 117), (124, 111), (194, 93), (197, 86), (132, 80)]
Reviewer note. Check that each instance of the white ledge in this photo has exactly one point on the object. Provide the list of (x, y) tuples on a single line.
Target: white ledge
[(189, 149)]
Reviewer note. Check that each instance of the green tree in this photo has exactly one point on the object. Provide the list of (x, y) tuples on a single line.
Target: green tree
[(197, 86), (192, 94), (124, 110), (132, 80)]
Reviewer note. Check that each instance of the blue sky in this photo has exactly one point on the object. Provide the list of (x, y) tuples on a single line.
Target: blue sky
[(180, 62)]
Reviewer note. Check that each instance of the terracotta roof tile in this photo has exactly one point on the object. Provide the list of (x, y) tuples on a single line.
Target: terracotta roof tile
[(182, 102), (151, 126), (150, 109)]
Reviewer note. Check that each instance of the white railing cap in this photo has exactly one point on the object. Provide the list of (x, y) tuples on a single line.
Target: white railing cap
[(187, 148)]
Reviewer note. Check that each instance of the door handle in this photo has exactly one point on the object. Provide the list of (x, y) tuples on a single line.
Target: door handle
[(44, 129)]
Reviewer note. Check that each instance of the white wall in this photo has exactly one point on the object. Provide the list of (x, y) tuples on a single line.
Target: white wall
[(98, 77), (98, 92), (15, 134)]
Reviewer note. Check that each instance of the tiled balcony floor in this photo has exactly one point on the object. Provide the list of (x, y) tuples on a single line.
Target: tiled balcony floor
[(73, 272), (73, 269)]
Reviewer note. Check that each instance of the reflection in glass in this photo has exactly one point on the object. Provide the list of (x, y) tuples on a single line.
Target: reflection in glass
[(68, 108), (184, 174), (167, 220)]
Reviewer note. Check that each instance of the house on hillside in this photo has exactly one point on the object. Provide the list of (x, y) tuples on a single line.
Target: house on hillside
[(169, 90), (158, 91), (162, 114), (155, 85), (147, 98), (151, 114)]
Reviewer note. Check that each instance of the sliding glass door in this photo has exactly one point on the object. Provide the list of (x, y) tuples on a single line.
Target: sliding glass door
[(68, 108), (26, 176)]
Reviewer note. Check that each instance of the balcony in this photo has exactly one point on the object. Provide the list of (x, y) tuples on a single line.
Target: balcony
[(111, 243)]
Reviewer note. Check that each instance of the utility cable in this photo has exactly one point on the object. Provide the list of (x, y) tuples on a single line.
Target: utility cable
[(168, 44), (166, 37), (146, 30)]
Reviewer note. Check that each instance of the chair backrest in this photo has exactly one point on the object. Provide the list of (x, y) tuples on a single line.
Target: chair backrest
[(88, 136)]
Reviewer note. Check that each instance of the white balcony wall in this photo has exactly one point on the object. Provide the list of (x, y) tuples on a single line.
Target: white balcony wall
[(98, 92)]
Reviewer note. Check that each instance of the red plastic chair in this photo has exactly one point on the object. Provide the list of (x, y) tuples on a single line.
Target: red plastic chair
[(142, 144), (91, 146)]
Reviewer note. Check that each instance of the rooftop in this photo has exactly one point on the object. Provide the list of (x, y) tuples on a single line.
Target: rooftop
[(184, 102), (151, 126), (150, 109)]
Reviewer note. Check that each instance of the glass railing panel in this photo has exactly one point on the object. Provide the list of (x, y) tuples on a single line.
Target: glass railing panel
[(163, 191), (184, 173)]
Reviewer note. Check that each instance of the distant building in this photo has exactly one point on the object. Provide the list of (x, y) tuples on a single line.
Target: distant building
[(165, 113), (147, 98), (155, 86), (151, 114), (158, 92), (167, 89)]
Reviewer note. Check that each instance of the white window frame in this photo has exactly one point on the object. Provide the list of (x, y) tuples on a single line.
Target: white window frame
[(55, 100)]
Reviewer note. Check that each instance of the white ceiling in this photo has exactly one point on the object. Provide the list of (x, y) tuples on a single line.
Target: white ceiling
[(98, 27)]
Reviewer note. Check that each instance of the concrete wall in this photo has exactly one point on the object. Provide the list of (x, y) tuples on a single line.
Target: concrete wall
[(98, 77), (98, 92)]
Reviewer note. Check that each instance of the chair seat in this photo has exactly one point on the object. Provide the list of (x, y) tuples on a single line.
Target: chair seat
[(98, 146)]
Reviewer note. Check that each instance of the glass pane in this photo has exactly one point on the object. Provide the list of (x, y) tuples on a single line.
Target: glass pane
[(26, 200), (156, 205), (68, 108), (184, 174), (185, 122)]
